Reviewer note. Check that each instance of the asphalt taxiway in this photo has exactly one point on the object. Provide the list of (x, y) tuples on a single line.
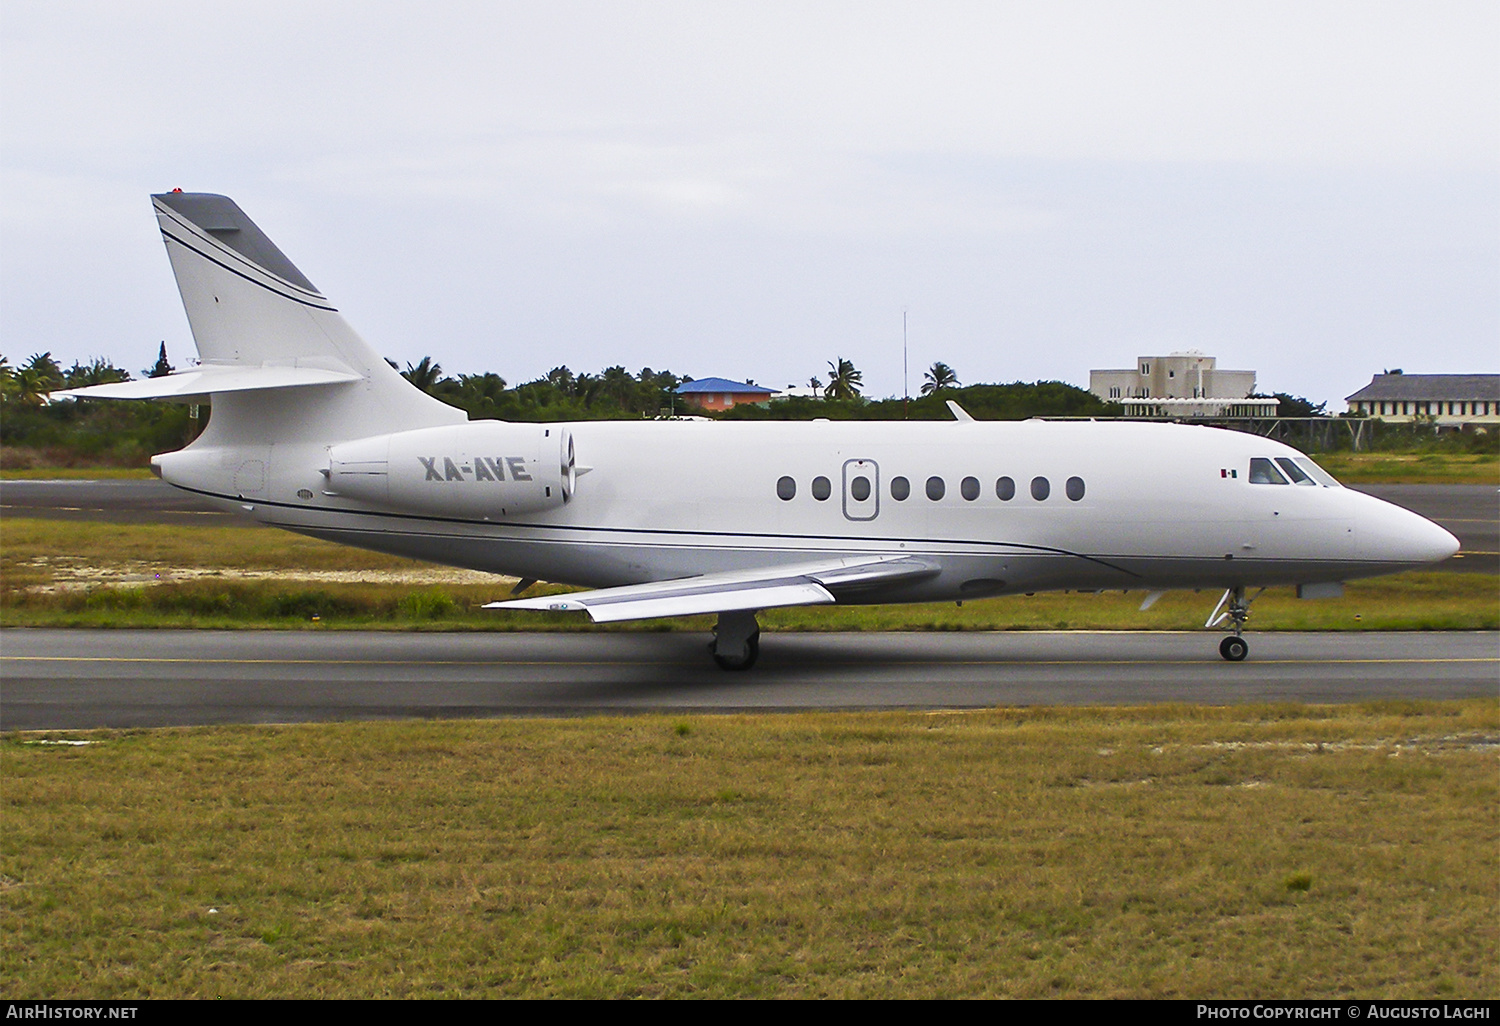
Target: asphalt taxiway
[(75, 679)]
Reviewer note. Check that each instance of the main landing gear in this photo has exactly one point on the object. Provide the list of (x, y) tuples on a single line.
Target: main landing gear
[(1235, 611), (736, 641)]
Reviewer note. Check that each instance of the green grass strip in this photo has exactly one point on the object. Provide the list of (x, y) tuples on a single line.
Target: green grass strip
[(1242, 851)]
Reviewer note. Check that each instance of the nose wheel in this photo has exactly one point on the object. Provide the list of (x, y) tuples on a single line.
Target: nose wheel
[(1231, 613), (1234, 648)]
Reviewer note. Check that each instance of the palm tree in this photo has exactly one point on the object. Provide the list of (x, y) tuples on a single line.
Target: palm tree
[(843, 380), (425, 375), (39, 376), (98, 371), (939, 377), (617, 384), (480, 393), (561, 379)]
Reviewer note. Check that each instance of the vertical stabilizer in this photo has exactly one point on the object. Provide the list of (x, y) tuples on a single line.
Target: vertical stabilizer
[(249, 306)]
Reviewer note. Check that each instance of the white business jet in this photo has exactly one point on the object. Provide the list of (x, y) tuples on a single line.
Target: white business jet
[(312, 431)]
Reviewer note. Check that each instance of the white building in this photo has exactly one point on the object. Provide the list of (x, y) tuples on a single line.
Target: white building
[(1187, 384)]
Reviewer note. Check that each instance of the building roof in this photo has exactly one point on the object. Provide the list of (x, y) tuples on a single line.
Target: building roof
[(722, 385), (1430, 386)]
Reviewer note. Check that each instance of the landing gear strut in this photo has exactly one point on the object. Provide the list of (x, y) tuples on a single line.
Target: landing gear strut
[(736, 641), (1233, 648)]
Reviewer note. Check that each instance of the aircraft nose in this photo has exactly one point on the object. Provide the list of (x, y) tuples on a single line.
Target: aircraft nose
[(1390, 534)]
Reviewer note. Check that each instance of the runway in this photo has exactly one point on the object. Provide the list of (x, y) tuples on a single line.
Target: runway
[(1471, 512), (76, 679)]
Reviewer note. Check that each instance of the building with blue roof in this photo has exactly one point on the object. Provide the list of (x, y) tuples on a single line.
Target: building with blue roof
[(721, 393)]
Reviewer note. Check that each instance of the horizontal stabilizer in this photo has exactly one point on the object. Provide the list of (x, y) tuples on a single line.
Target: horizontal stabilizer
[(207, 379), (805, 584)]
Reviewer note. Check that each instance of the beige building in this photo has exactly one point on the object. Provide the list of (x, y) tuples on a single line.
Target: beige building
[(1187, 384), (1443, 400)]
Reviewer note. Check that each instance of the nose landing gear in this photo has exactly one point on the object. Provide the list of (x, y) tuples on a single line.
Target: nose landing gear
[(1233, 648)]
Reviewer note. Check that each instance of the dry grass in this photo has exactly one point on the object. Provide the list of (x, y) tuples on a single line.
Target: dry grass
[(58, 573), (1160, 852)]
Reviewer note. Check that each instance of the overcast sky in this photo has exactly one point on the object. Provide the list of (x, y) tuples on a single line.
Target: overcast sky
[(1309, 190)]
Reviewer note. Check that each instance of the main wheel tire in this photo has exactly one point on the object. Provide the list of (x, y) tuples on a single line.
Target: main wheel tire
[(743, 662), (1234, 648)]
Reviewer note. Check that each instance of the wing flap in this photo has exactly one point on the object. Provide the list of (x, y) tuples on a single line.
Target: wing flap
[(802, 584)]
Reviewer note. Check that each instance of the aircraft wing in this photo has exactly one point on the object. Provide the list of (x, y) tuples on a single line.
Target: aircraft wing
[(801, 584)]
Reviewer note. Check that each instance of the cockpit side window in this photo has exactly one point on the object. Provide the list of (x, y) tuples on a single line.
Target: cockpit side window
[(1316, 472), (1263, 471), (1296, 473)]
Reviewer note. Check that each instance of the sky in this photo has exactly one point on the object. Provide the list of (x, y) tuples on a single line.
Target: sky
[(1034, 189)]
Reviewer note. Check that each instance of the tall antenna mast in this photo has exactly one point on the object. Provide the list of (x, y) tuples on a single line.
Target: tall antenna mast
[(905, 386)]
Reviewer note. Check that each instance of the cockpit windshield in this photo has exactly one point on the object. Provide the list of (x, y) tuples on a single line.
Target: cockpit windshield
[(1263, 471), (1297, 470)]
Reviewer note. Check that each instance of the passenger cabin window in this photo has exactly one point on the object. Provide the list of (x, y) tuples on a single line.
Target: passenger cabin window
[(1075, 488), (1005, 489), (1263, 471), (859, 489), (935, 488), (786, 488), (969, 488), (1040, 488), (900, 488), (821, 489)]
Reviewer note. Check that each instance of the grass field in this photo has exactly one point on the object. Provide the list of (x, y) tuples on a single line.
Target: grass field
[(1411, 468), (73, 473), (1157, 852), (260, 577)]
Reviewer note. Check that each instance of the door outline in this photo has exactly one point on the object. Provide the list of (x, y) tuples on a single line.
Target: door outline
[(867, 509)]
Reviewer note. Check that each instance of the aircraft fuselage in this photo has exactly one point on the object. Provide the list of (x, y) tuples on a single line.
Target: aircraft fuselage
[(995, 507)]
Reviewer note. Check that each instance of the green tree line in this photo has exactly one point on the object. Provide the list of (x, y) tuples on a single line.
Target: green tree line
[(102, 433)]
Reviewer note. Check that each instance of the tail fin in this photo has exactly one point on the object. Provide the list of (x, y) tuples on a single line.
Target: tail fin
[(249, 307)]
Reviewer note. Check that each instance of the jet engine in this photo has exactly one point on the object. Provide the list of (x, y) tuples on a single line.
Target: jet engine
[(484, 468)]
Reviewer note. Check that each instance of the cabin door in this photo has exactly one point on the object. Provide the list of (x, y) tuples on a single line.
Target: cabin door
[(861, 489)]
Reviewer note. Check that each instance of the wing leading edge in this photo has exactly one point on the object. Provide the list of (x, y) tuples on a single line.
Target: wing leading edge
[(801, 584)]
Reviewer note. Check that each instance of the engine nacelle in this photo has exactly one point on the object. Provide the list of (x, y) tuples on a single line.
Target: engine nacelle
[(486, 468)]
